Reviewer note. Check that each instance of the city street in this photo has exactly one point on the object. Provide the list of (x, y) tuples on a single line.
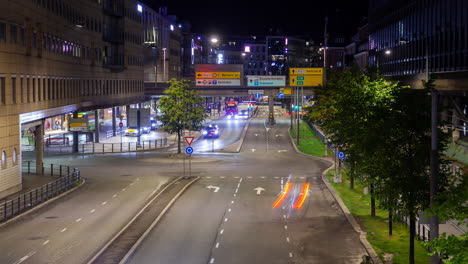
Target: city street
[(226, 217)]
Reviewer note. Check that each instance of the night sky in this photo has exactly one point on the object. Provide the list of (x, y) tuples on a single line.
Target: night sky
[(289, 17)]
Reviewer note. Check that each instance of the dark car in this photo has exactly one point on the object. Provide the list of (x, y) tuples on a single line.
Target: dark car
[(210, 131), (243, 114)]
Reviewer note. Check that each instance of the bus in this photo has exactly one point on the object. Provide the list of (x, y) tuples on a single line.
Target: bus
[(231, 108)]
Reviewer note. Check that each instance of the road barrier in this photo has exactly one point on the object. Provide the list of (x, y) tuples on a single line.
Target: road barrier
[(101, 148), (68, 178)]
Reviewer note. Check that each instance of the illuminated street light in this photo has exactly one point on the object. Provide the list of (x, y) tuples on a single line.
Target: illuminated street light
[(388, 52)]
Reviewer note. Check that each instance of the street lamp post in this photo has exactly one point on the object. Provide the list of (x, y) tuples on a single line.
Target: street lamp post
[(164, 64)]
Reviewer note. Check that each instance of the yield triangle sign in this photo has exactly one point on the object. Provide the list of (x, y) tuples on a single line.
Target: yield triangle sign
[(189, 140)]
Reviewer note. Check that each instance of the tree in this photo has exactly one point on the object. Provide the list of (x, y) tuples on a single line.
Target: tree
[(181, 108)]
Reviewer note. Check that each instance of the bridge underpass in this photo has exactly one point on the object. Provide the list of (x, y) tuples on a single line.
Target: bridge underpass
[(242, 91)]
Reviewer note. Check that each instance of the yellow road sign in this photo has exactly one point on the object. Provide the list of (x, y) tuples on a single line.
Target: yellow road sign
[(306, 80), (305, 71), (217, 75), (286, 90)]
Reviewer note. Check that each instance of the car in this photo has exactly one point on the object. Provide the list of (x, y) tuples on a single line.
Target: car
[(145, 130), (154, 124), (243, 114), (210, 131), (132, 131)]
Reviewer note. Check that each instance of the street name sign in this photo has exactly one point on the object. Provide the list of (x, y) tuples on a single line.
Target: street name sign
[(218, 75), (217, 82)]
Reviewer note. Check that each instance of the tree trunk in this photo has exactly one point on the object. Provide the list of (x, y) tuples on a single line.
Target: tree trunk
[(372, 200), (178, 142), (412, 235), (390, 221), (351, 179)]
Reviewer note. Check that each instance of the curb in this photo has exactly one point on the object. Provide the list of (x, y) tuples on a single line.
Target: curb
[(362, 235), (83, 181)]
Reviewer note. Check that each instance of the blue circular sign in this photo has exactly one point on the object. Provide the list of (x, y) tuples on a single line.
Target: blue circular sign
[(340, 155), (281, 95), (189, 150), (258, 95)]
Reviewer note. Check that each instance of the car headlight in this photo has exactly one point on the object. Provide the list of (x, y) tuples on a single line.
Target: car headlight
[(137, 131), (216, 132), (204, 132), (229, 117), (236, 116), (126, 130), (153, 125)]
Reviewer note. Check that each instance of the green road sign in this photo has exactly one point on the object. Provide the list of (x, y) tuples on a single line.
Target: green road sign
[(300, 78), (300, 82)]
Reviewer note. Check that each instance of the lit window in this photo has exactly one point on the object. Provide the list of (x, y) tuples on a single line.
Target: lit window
[(172, 27), (140, 8), (14, 156), (247, 49), (4, 159)]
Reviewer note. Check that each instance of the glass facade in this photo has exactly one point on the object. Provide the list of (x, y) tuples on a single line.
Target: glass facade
[(405, 35)]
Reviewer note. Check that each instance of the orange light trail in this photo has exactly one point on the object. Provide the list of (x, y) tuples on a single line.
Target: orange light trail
[(283, 195), (302, 196)]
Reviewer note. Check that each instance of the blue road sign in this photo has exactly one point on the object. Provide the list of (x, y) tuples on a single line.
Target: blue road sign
[(189, 150), (340, 155), (280, 95), (258, 95)]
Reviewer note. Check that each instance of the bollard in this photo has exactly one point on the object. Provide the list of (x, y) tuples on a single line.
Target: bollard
[(82, 148), (93, 147), (128, 146), (60, 170), (51, 169), (112, 147), (103, 147), (120, 146), (29, 166)]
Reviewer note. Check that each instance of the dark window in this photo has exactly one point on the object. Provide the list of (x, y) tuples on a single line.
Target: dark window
[(13, 90), (13, 33), (2, 90), (2, 31)]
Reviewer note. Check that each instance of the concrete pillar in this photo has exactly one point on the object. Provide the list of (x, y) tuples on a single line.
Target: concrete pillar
[(456, 118), (75, 136), (114, 123), (271, 110), (39, 134), (96, 128)]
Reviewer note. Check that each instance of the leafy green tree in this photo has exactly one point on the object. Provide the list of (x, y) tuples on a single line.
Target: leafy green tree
[(181, 108)]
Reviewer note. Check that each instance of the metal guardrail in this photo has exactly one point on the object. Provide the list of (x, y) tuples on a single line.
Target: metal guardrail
[(96, 148), (24, 202)]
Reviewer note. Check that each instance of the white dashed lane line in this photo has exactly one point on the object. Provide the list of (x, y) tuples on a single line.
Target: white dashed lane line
[(77, 220), (45, 242), (25, 257)]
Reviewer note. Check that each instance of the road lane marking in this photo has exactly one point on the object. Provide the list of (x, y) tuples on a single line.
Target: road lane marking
[(222, 177), (221, 232), (123, 189), (46, 242), (225, 219), (234, 195), (217, 245), (240, 180), (229, 210), (131, 183), (287, 239), (302, 196), (212, 261), (77, 220), (283, 195), (208, 177), (92, 211), (263, 177), (104, 203), (25, 257), (115, 195), (250, 177), (290, 254), (285, 227), (237, 189), (63, 230)]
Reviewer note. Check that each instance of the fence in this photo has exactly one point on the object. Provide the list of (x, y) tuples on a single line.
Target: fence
[(24, 202), (96, 148)]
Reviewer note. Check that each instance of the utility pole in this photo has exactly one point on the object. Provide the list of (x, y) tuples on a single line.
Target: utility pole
[(325, 42)]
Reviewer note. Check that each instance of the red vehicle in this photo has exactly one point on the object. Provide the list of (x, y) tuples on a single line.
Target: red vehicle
[(231, 108)]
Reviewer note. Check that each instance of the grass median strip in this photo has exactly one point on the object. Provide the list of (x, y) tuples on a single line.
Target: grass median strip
[(395, 247), (391, 249)]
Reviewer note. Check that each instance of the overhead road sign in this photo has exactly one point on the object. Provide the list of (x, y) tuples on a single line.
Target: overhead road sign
[(305, 76), (78, 124), (217, 82), (218, 75), (266, 81), (258, 95)]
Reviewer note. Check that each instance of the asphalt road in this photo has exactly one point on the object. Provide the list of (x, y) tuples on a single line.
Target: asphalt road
[(228, 216)]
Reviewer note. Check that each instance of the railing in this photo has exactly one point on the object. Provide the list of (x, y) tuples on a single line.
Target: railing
[(68, 178), (96, 148)]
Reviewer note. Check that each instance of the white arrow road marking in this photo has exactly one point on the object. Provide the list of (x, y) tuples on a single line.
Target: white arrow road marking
[(259, 190), (253, 150), (216, 189)]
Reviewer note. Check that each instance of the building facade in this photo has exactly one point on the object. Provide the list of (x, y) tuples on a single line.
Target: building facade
[(409, 39), (58, 57)]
